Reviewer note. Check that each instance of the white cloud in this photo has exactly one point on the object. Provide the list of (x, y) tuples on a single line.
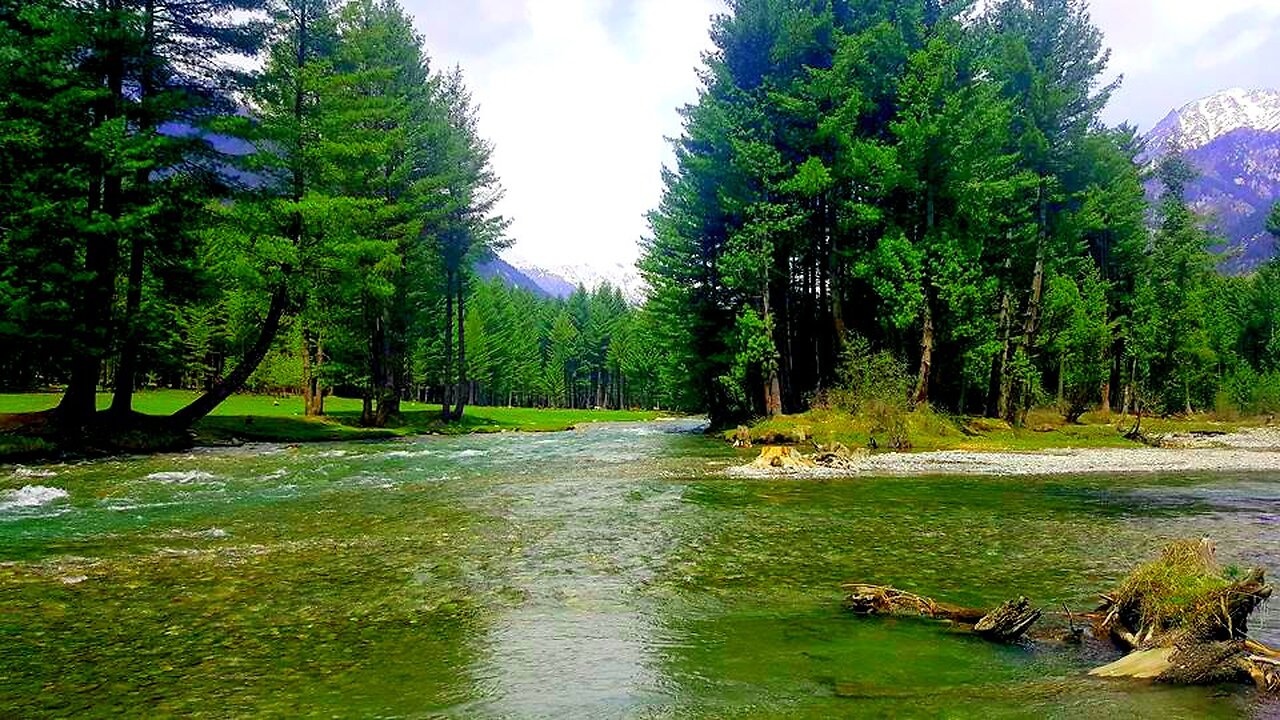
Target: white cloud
[(1174, 51), (578, 111)]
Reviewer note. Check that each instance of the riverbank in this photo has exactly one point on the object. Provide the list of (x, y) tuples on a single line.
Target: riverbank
[(1246, 450), (259, 418), (1044, 430), (1047, 445)]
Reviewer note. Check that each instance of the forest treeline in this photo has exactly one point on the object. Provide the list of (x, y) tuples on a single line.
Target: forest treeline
[(933, 180), (285, 195), (274, 194)]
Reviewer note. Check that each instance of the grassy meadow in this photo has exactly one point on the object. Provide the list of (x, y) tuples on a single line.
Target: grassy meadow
[(260, 418)]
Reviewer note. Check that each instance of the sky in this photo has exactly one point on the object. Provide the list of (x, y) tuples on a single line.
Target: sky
[(580, 96)]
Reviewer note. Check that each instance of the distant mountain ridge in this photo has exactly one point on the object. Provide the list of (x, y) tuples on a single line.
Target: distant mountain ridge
[(1233, 139), (561, 282)]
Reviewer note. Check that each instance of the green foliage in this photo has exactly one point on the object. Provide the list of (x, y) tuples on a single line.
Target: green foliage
[(1253, 392), (1169, 335), (1175, 591), (1079, 336), (755, 358), (590, 350), (159, 233), (933, 177), (922, 176)]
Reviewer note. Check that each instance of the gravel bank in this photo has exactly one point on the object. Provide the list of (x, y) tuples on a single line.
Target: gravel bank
[(1248, 451)]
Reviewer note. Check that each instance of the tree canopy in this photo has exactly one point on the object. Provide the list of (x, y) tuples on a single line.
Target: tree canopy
[(936, 178)]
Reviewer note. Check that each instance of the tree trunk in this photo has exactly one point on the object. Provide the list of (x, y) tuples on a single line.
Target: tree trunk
[(79, 404), (223, 389), (1131, 390), (1062, 380), (312, 359), (462, 350), (772, 383), (926, 356), (1019, 398), (377, 372), (446, 411), (998, 397), (126, 370)]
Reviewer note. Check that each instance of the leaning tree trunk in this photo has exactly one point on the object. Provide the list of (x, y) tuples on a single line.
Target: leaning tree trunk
[(235, 380)]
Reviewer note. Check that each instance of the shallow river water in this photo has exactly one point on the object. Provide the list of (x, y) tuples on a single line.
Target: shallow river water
[(609, 572)]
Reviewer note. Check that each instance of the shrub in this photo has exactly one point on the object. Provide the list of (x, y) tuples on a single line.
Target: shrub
[(874, 384), (1252, 392)]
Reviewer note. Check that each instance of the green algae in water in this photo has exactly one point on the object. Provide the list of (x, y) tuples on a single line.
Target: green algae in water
[(607, 573)]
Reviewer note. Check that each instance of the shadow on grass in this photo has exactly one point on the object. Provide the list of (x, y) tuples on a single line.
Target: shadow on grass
[(257, 428), (345, 425), (34, 436)]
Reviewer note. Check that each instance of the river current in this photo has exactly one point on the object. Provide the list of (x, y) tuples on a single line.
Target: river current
[(612, 572)]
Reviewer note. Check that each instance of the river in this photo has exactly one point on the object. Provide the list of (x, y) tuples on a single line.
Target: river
[(612, 572)]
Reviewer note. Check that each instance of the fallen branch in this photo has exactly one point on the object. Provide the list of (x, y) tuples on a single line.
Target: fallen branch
[(1005, 624)]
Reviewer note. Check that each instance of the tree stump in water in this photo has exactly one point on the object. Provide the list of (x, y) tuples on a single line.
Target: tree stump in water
[(781, 458), (1009, 622), (1183, 623)]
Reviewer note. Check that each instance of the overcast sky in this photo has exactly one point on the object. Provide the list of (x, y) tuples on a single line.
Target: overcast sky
[(578, 95)]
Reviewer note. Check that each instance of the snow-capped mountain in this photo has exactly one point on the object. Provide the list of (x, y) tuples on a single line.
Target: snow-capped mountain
[(1233, 140), (620, 275), (1201, 122)]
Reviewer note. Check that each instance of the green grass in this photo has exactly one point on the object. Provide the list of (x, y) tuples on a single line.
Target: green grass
[(270, 419), (1178, 589), (1045, 429)]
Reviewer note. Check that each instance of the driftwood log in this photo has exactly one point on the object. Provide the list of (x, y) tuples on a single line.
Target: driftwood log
[(1179, 619), (1005, 624)]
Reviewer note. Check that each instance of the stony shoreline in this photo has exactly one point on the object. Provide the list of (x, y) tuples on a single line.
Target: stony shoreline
[(1256, 450)]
